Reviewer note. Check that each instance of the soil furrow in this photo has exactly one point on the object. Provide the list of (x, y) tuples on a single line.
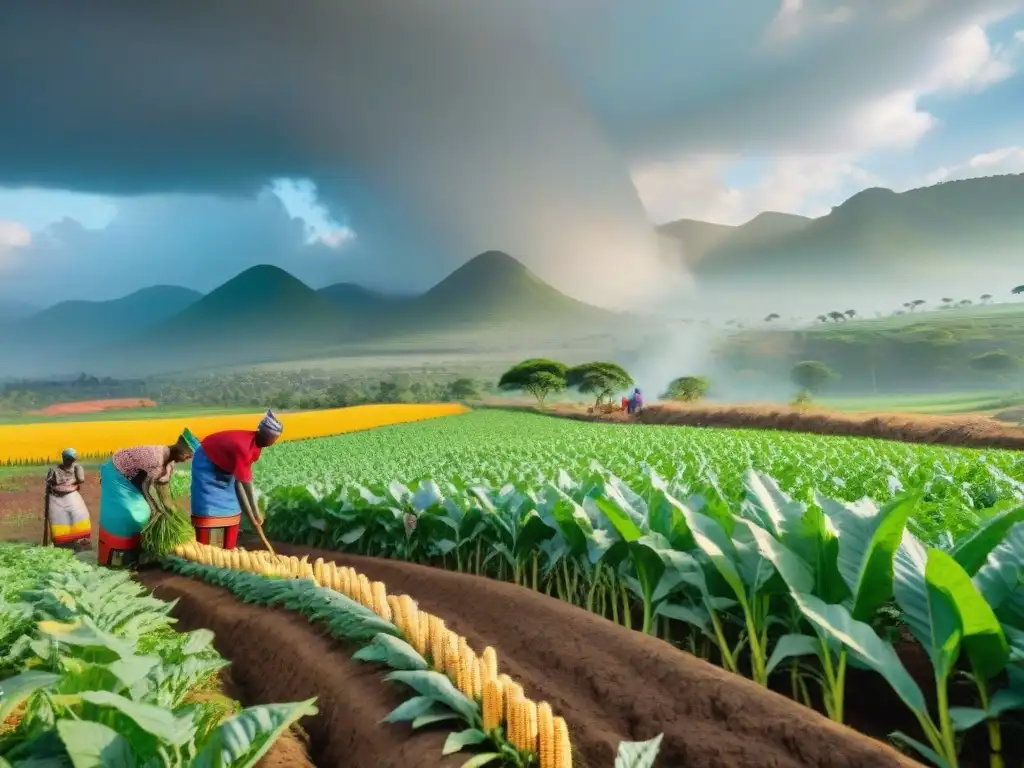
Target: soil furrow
[(612, 684), (278, 656)]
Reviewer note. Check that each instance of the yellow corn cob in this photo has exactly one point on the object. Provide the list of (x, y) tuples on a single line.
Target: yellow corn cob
[(307, 572), (517, 724), (236, 560), (423, 636), (530, 724), (305, 560), (438, 634), (489, 664), (563, 752), (451, 664), (477, 681), (412, 619), (546, 736), (380, 601), (318, 570), (492, 705), (397, 617), (512, 691), (365, 592)]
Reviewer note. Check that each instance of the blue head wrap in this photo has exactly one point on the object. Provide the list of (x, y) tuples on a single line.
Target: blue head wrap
[(69, 454)]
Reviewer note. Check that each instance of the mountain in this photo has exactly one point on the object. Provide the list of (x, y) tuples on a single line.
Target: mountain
[(108, 321), (702, 239), (885, 234), (494, 289), (352, 297)]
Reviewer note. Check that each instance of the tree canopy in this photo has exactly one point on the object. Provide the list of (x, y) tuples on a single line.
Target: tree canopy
[(997, 361), (538, 376), (687, 389), (601, 379), (812, 375)]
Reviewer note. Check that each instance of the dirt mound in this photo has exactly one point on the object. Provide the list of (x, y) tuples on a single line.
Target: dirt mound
[(277, 655), (94, 406), (1013, 415), (613, 684), (963, 431)]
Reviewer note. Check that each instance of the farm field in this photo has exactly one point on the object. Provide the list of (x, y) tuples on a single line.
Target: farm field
[(751, 549)]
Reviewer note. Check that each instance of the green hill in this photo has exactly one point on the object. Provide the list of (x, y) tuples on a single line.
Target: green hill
[(106, 321), (494, 289), (354, 298), (702, 240), (881, 232)]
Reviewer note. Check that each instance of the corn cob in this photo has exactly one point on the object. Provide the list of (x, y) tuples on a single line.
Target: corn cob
[(398, 617), (546, 736), (438, 634), (530, 724), (365, 592), (489, 664), (318, 570), (492, 705), (563, 752), (380, 601)]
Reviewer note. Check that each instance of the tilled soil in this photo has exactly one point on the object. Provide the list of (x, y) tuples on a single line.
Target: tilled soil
[(277, 656), (612, 684)]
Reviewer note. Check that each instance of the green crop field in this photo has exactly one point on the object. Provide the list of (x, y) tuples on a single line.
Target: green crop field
[(501, 452)]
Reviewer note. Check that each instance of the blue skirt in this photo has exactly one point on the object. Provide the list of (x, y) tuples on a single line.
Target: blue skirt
[(213, 490)]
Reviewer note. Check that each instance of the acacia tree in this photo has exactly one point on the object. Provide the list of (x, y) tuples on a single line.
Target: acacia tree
[(812, 376), (601, 379), (687, 389), (1018, 290), (538, 376)]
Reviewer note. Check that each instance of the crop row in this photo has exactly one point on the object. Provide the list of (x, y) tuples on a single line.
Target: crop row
[(35, 443), (451, 680), (765, 583), (499, 450), (91, 674)]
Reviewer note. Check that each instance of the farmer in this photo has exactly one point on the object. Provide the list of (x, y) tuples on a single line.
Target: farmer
[(638, 400), (222, 481), (625, 403), (127, 497), (66, 518)]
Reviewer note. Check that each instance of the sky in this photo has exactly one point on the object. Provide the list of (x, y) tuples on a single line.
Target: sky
[(387, 143)]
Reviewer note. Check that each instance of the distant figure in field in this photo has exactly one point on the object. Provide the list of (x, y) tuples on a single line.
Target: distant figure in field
[(65, 516), (625, 403), (127, 496), (636, 401), (222, 481)]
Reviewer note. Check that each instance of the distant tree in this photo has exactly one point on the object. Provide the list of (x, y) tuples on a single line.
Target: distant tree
[(601, 379), (964, 303), (947, 301), (851, 313), (997, 362), (687, 389), (822, 318), (986, 298), (462, 389), (282, 400), (1018, 290), (771, 317), (916, 303), (538, 376), (836, 316), (812, 375)]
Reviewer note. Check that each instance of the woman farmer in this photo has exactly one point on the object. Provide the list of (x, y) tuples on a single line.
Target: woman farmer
[(66, 519), (132, 484), (222, 481)]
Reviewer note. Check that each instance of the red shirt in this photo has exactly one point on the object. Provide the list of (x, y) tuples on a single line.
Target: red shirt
[(234, 451)]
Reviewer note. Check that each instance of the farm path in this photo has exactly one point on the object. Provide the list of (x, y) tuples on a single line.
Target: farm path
[(613, 684), (278, 656)]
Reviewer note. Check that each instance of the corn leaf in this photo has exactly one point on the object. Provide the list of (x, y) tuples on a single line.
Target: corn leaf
[(482, 759), (836, 622), (94, 745), (972, 550), (242, 740), (791, 646), (436, 686), (457, 741), (412, 710), (393, 651), (638, 754)]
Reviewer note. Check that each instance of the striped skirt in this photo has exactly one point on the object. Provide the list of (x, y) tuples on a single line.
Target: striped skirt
[(68, 517)]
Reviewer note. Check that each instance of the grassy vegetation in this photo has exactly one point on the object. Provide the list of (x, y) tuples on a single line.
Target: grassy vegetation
[(985, 401)]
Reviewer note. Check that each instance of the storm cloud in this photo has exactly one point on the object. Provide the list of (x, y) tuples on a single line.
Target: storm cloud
[(436, 129)]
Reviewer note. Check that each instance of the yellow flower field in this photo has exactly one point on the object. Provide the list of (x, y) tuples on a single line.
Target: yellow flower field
[(43, 442)]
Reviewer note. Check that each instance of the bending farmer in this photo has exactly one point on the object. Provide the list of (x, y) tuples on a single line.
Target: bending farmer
[(222, 481), (66, 520), (127, 499)]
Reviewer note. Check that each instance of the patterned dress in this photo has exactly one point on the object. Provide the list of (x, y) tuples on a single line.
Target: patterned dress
[(66, 512), (151, 460)]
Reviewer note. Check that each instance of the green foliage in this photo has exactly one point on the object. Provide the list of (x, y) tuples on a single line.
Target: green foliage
[(537, 376), (687, 389), (996, 362), (812, 375), (601, 379), (103, 680)]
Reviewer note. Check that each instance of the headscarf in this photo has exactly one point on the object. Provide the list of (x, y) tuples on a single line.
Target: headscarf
[(190, 440), (69, 454), (269, 425)]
